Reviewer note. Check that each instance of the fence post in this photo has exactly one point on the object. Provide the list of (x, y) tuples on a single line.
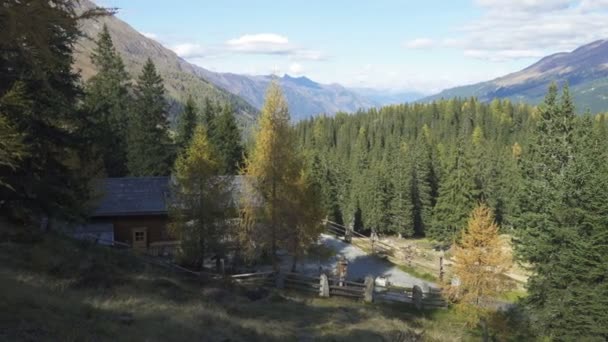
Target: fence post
[(417, 296), (280, 280), (324, 282), (348, 233), (368, 296)]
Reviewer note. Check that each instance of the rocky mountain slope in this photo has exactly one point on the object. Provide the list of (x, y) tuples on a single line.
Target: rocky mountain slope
[(181, 78), (585, 69), (305, 97)]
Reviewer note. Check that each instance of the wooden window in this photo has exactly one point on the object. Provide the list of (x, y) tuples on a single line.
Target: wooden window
[(140, 236)]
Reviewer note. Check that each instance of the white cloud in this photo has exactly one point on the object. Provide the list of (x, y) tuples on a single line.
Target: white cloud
[(524, 5), (420, 43), (260, 38), (150, 35), (515, 29), (271, 44), (296, 69), (255, 44), (188, 50)]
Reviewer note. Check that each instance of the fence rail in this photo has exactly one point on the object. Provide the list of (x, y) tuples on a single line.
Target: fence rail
[(431, 299)]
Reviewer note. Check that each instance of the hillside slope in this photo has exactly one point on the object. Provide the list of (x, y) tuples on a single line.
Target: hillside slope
[(585, 69), (181, 78), (56, 289)]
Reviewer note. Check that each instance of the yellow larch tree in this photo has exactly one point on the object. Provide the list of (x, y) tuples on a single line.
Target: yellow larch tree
[(199, 201), (481, 259), (273, 211)]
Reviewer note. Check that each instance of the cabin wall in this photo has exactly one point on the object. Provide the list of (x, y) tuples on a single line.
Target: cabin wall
[(157, 227)]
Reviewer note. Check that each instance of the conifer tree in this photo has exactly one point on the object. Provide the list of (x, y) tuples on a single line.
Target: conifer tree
[(481, 259), (199, 201), (12, 147), (52, 180), (187, 122), (424, 185), (272, 170), (150, 150), (107, 102), (376, 203), (563, 223), (209, 113), (228, 141), (401, 205), (456, 197)]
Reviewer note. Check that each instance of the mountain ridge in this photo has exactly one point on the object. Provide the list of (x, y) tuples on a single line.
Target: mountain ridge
[(585, 69), (179, 76)]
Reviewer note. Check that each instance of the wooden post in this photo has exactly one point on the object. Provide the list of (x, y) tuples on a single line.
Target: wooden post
[(324, 282), (417, 296), (368, 296), (342, 270), (348, 233), (280, 280), (441, 271), (222, 267)]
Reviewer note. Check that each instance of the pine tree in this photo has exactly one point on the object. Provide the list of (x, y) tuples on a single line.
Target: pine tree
[(209, 113), (12, 147), (456, 197), (563, 223), (200, 199), (481, 259), (150, 150), (424, 185), (36, 63), (187, 123), (228, 142), (401, 206), (107, 102), (376, 204)]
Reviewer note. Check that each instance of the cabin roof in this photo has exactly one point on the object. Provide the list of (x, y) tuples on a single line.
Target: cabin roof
[(136, 196), (131, 196)]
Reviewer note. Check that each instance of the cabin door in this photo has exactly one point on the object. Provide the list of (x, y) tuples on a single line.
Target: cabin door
[(140, 238)]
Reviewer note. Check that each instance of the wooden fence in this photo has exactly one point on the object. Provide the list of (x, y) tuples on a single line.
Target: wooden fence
[(365, 242), (431, 299)]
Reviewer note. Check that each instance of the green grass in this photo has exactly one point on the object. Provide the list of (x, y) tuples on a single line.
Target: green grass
[(514, 295), (56, 289), (417, 273)]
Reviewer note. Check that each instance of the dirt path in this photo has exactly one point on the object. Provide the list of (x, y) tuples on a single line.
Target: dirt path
[(360, 265)]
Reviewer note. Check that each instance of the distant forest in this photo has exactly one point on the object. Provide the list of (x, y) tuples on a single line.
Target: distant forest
[(419, 169)]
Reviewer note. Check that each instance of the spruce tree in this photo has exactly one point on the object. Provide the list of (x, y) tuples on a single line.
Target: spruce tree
[(107, 102), (227, 140), (563, 223), (12, 147), (424, 185), (187, 123), (456, 197), (401, 205), (52, 180), (150, 150)]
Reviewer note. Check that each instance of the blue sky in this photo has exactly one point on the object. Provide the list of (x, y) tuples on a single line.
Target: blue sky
[(387, 44)]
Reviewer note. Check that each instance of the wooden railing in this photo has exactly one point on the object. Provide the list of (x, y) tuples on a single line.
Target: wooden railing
[(431, 299), (377, 247)]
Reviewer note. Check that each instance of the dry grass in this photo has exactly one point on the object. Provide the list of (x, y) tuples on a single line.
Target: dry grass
[(60, 290)]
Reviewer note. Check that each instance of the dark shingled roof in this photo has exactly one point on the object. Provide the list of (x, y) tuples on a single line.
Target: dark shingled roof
[(131, 196)]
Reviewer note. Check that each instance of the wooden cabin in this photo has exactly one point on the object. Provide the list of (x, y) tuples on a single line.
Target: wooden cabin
[(133, 211)]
